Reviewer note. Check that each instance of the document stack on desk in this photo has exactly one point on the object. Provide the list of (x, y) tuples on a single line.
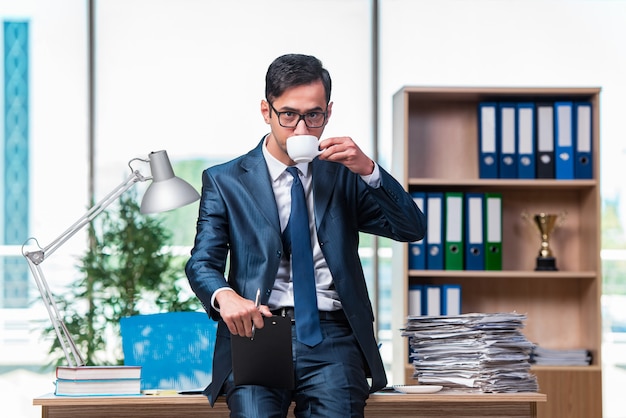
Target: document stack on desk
[(98, 381), (472, 352)]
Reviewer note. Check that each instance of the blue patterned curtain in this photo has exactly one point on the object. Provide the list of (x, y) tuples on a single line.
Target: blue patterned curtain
[(15, 176)]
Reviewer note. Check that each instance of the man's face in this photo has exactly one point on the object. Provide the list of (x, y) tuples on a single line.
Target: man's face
[(305, 99)]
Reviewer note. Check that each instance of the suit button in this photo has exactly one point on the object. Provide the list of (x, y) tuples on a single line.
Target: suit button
[(278, 254)]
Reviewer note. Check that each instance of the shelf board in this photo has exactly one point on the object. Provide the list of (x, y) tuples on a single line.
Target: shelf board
[(588, 369), (460, 93), (504, 274), (508, 183), (409, 368)]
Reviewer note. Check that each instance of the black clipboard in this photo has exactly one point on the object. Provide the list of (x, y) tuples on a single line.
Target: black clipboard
[(266, 360)]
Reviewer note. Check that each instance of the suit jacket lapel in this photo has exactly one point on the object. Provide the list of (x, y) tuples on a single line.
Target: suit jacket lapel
[(255, 179)]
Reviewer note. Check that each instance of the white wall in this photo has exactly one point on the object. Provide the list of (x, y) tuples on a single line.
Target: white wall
[(58, 109), (189, 76), (58, 153), (510, 43)]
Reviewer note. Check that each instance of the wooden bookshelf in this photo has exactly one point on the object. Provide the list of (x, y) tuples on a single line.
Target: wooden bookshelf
[(435, 148)]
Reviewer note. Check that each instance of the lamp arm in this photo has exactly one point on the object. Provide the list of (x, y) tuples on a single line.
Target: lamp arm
[(35, 258), (73, 356), (39, 256)]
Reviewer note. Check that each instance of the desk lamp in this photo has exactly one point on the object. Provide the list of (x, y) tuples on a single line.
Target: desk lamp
[(165, 193)]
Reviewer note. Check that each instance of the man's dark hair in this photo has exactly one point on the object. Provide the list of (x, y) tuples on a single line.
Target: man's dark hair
[(293, 70)]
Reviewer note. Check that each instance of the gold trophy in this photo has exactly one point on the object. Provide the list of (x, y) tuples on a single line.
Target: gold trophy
[(546, 223)]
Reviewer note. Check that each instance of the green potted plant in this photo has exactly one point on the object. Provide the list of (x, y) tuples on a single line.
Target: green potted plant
[(125, 272)]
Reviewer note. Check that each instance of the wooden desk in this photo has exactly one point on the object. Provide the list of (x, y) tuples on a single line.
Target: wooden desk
[(380, 405)]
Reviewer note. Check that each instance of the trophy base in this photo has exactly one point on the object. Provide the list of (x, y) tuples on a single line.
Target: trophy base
[(546, 264)]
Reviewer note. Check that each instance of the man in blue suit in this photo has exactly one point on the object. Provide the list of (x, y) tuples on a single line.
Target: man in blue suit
[(244, 209)]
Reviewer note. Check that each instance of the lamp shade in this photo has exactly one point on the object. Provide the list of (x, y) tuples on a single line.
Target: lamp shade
[(166, 192)]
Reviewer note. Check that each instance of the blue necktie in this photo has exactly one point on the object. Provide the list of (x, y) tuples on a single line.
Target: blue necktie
[(305, 299)]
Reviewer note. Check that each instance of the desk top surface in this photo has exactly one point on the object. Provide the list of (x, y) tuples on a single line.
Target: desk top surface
[(379, 398)]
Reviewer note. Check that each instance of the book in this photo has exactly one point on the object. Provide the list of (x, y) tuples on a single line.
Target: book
[(97, 387), (434, 231), (451, 299), (583, 154), (98, 372), (507, 140), (487, 139), (431, 300), (493, 231), (417, 249), (545, 141), (564, 141), (474, 231), (526, 140), (415, 299), (454, 246)]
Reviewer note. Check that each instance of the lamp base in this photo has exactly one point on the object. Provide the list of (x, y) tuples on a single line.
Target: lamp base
[(546, 264)]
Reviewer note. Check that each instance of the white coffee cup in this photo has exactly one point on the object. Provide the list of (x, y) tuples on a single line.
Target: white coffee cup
[(303, 148)]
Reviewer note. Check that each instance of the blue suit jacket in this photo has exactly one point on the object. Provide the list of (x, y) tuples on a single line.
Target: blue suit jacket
[(238, 218)]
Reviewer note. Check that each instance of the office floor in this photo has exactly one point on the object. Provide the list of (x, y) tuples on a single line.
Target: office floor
[(614, 377), (19, 387)]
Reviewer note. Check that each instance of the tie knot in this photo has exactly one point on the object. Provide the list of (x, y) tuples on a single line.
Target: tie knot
[(293, 171)]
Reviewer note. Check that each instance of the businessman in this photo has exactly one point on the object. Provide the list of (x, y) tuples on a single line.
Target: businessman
[(245, 217)]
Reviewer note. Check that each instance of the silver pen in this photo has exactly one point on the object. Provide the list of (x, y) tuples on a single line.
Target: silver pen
[(257, 300)]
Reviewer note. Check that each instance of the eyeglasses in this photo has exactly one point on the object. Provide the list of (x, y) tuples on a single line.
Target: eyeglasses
[(290, 119)]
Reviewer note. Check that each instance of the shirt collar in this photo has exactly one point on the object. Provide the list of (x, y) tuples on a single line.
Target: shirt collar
[(275, 167)]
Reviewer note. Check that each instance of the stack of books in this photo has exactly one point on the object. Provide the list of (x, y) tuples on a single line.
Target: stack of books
[(98, 380), (552, 357), (472, 352)]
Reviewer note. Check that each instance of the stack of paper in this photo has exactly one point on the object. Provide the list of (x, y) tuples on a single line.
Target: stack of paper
[(551, 357), (98, 380), (474, 352)]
